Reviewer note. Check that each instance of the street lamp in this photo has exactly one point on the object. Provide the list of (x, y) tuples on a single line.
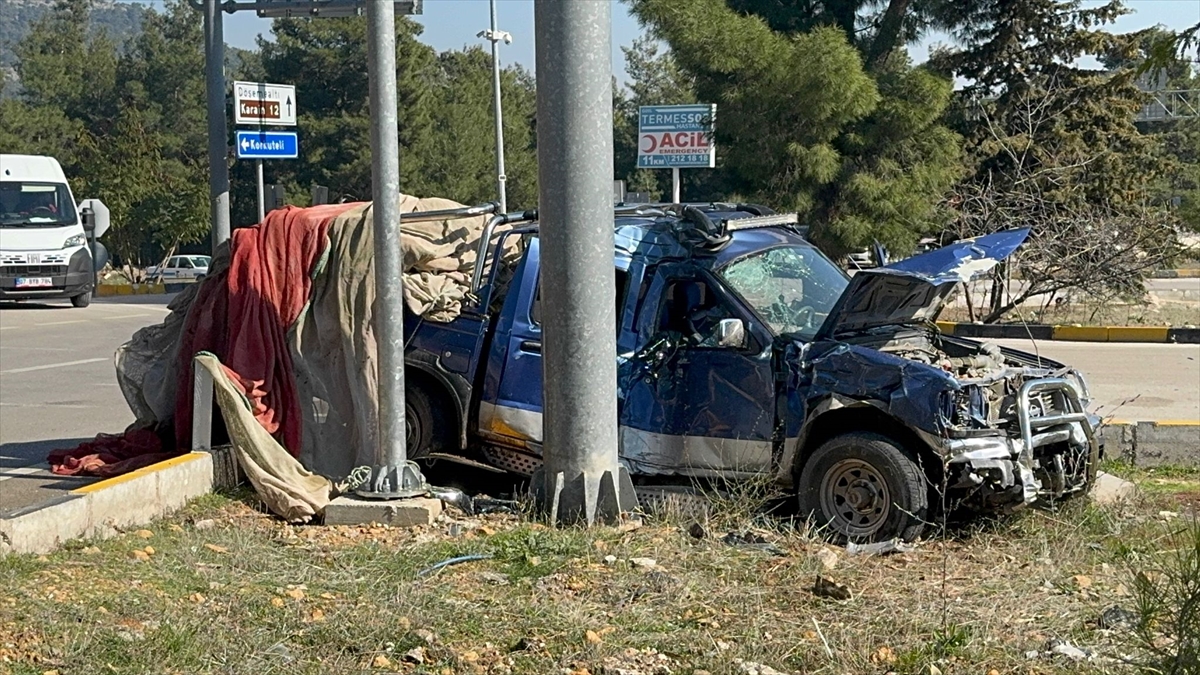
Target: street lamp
[(495, 36)]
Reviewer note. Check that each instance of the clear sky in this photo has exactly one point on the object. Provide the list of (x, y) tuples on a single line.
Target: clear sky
[(451, 24)]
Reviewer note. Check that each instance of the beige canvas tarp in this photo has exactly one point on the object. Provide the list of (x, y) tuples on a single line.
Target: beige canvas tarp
[(332, 343)]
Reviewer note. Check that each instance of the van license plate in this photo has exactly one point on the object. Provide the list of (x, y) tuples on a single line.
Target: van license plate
[(34, 282)]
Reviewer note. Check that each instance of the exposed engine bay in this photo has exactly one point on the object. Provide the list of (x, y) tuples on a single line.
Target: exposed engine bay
[(1017, 427)]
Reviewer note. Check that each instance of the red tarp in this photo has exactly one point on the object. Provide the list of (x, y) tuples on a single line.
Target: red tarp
[(242, 316)]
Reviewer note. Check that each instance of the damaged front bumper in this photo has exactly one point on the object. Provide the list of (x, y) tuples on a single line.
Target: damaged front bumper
[(1051, 456)]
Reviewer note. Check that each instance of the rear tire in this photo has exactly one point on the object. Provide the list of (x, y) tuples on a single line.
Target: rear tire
[(82, 300), (864, 487), (425, 424)]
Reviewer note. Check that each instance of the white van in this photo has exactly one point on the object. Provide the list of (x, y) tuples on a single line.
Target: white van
[(46, 241)]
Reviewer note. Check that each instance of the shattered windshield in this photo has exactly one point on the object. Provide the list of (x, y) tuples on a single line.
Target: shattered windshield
[(35, 205), (792, 288)]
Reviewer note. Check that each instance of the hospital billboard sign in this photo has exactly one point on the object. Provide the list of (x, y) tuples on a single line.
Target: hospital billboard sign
[(676, 136)]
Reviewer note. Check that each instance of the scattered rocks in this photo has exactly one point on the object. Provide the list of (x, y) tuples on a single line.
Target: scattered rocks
[(639, 662), (828, 557), (415, 655), (1110, 489), (644, 563), (752, 668), (206, 524)]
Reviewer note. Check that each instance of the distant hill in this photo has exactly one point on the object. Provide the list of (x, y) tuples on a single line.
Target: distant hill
[(119, 19)]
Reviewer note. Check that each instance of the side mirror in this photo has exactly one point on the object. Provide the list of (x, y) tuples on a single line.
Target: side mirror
[(94, 215), (731, 333)]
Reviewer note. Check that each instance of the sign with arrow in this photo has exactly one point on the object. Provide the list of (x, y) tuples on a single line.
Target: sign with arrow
[(264, 104), (267, 145)]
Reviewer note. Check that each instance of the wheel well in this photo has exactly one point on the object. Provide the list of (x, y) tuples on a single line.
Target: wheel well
[(440, 399), (869, 419)]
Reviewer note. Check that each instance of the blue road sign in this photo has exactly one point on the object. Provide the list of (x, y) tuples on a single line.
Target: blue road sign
[(676, 136), (267, 145)]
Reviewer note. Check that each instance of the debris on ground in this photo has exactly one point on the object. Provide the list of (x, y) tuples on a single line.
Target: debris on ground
[(644, 563), (880, 547), (1116, 617), (454, 561), (753, 540), (697, 531), (1057, 647), (828, 588)]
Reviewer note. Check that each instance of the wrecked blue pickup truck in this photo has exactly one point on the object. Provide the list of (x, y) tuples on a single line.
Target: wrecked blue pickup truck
[(744, 351)]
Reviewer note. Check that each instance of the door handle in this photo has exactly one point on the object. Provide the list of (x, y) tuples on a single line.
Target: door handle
[(531, 346)]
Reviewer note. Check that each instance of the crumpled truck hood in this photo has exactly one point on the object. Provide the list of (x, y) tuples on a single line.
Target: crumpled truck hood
[(914, 290)]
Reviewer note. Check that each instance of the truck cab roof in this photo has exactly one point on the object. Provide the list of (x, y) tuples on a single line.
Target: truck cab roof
[(715, 232)]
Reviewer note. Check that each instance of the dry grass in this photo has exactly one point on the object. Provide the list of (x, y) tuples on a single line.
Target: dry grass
[(252, 595)]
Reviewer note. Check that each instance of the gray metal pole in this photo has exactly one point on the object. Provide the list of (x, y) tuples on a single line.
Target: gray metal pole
[(501, 178), (392, 476), (262, 197), (218, 141), (581, 479)]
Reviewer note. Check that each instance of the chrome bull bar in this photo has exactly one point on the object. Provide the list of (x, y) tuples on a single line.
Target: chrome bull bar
[(1070, 394)]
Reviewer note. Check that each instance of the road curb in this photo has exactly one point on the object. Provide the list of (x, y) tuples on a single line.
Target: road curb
[(1150, 444), (112, 290), (101, 509), (1157, 334)]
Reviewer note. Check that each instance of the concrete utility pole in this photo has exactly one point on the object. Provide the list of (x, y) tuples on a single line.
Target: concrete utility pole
[(393, 476), (495, 36), (582, 480), (218, 134)]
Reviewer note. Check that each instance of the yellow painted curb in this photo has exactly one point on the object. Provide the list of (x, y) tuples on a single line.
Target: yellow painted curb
[(106, 291), (1137, 333), (1081, 333), (144, 471), (1177, 423)]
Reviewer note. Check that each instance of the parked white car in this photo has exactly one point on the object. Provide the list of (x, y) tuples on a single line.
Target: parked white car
[(182, 267)]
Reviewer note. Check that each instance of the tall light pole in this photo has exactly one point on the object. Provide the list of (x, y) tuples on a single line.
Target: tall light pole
[(495, 36), (218, 141), (582, 480)]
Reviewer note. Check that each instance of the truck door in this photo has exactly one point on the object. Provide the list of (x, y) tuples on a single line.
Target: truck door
[(692, 406), (510, 410)]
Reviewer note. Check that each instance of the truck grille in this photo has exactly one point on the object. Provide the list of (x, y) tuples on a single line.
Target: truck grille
[(14, 271)]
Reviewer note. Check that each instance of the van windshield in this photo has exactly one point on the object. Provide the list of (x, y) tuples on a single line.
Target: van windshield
[(24, 204)]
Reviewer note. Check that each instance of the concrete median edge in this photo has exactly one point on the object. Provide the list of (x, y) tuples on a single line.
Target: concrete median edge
[(1151, 444), (102, 509), (1155, 334)]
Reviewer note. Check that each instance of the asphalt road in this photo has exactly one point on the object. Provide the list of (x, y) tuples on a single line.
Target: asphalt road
[(57, 385), (1132, 382)]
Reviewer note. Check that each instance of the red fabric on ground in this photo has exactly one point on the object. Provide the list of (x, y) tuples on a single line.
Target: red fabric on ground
[(110, 455), (244, 320), (242, 316)]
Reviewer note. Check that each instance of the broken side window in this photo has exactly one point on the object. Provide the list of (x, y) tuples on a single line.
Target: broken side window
[(621, 288)]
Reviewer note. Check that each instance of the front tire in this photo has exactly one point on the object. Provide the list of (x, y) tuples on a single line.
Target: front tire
[(82, 300), (864, 487)]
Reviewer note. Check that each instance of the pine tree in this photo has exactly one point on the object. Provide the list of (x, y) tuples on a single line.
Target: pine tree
[(815, 118)]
